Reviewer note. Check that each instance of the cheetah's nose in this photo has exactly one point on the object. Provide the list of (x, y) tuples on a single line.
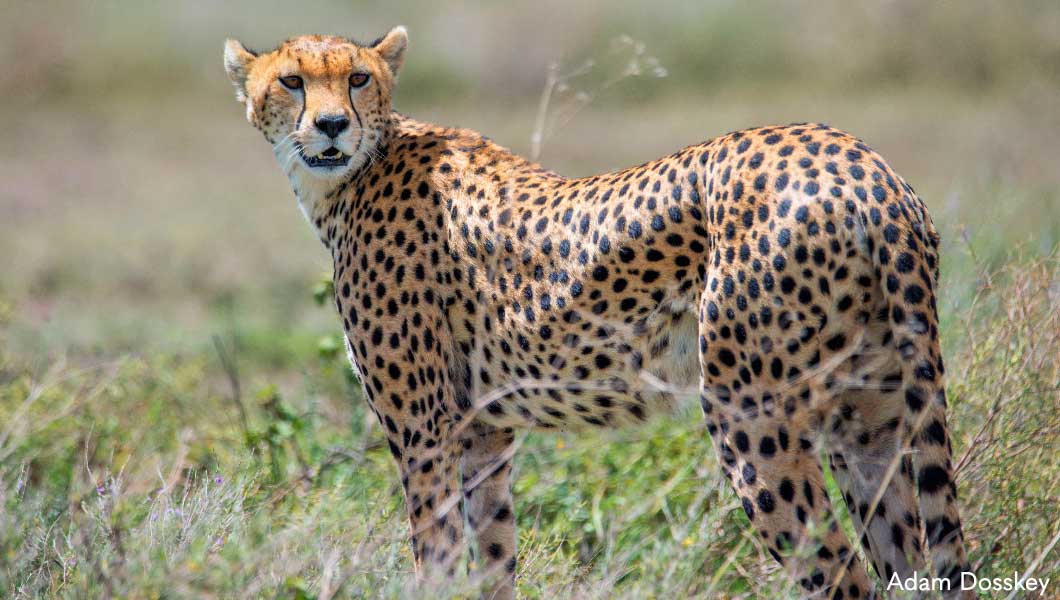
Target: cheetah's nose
[(332, 124)]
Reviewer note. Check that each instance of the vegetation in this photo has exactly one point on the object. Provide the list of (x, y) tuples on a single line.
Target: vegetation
[(177, 419), (148, 477)]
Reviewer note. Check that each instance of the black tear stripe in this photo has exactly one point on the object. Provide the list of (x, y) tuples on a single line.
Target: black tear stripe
[(360, 124), (353, 107), (298, 122)]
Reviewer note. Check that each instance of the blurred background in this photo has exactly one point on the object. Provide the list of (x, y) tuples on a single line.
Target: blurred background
[(138, 207), (157, 321)]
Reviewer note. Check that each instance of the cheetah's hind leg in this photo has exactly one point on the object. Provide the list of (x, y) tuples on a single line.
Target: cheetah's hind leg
[(759, 420)]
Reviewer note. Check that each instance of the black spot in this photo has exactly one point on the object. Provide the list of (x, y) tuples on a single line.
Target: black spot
[(495, 551), (940, 530), (760, 182), (767, 447), (890, 233), (602, 361), (897, 535), (936, 433), (879, 193), (932, 479), (845, 303), (750, 475), (914, 293), (914, 399), (781, 183), (836, 342), (726, 357), (765, 501), (787, 490), (904, 263), (712, 311), (743, 443)]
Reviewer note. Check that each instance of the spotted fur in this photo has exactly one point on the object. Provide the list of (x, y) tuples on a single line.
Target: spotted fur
[(785, 276)]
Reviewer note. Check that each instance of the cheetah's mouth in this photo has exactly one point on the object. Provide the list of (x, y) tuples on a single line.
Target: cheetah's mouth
[(331, 157)]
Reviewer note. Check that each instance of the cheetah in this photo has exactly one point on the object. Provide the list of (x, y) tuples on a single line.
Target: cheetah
[(783, 276)]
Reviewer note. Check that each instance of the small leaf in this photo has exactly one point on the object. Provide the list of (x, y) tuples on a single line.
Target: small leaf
[(329, 346), (323, 290)]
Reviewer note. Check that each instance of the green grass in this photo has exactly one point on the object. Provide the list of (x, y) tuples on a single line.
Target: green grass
[(138, 477)]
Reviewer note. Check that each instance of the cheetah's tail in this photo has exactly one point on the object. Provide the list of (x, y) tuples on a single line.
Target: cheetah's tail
[(904, 250)]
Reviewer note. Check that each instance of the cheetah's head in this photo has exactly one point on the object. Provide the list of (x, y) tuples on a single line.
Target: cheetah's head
[(323, 102)]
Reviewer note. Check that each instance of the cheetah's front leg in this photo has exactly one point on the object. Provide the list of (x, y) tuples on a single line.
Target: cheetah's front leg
[(487, 484), (432, 499), (415, 403)]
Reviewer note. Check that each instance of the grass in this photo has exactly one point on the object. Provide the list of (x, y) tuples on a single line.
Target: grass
[(154, 476), (176, 419)]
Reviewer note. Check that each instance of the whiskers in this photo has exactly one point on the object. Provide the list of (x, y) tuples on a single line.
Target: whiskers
[(286, 153), (373, 153), (288, 148), (300, 141)]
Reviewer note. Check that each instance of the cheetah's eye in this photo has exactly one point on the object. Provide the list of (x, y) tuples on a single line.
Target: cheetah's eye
[(292, 82), (358, 80)]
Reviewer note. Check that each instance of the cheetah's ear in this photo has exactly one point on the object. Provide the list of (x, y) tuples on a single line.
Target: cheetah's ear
[(237, 65), (391, 47)]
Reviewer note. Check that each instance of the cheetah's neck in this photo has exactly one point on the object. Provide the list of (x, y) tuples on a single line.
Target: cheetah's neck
[(320, 199)]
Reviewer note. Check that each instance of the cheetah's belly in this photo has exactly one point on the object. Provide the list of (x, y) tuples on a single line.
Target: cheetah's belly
[(603, 381)]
